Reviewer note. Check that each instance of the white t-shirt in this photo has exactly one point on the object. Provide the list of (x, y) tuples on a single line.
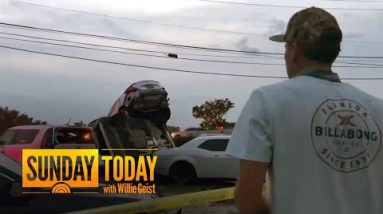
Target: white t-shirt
[(324, 141)]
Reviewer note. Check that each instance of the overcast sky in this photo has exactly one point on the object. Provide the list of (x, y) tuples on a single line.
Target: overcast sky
[(54, 89)]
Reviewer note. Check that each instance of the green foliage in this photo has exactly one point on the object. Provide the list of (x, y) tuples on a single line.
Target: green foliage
[(213, 112), (11, 117)]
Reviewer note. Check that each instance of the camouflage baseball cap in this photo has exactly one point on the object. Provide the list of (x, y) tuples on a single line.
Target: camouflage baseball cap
[(307, 26)]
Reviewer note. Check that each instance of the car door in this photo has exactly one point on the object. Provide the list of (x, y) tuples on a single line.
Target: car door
[(47, 140), (213, 161)]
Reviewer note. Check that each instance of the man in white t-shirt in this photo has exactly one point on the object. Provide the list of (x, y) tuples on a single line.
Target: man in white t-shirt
[(319, 138)]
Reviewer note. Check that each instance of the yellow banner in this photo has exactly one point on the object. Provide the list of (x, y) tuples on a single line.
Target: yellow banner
[(65, 167)]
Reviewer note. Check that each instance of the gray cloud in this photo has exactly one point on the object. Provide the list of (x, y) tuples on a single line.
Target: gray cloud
[(54, 89), (244, 45), (277, 26)]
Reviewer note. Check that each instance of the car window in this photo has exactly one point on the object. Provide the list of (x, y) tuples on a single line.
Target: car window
[(194, 129), (73, 136), (113, 107), (11, 137), (47, 139), (6, 137), (217, 145)]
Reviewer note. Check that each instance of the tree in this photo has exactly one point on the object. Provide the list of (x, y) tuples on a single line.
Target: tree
[(213, 113), (11, 117), (173, 129), (79, 123)]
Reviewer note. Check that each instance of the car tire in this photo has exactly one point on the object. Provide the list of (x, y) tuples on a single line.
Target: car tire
[(182, 172)]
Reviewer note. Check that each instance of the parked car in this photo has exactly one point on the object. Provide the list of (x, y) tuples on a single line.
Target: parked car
[(188, 133), (202, 157), (17, 138)]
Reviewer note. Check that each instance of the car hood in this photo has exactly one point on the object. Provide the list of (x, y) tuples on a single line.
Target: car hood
[(169, 151)]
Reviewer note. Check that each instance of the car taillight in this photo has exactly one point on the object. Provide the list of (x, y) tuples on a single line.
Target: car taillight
[(174, 135), (130, 89), (220, 128), (87, 137)]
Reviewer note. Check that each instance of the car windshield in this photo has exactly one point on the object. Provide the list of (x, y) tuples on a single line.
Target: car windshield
[(11, 137), (194, 129), (73, 136)]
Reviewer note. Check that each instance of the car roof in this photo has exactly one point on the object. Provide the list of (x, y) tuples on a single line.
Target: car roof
[(45, 127), (218, 136), (194, 129), (198, 140)]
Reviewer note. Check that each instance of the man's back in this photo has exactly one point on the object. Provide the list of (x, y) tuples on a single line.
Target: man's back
[(319, 138), (326, 144)]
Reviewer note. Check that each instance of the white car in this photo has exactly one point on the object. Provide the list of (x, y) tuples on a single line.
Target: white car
[(202, 157)]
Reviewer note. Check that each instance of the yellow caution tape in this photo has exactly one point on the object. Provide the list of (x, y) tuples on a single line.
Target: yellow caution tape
[(170, 202)]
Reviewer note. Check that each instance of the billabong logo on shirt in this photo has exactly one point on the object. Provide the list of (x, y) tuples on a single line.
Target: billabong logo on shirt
[(344, 135)]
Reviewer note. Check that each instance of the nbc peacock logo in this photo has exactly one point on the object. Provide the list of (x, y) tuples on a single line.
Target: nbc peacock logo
[(61, 188), (59, 171)]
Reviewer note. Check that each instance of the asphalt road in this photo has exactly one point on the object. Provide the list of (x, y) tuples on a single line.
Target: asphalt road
[(166, 188), (64, 203)]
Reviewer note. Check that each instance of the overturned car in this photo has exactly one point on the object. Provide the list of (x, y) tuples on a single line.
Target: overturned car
[(136, 123)]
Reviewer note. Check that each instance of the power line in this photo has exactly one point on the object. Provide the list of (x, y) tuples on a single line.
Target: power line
[(169, 69), (289, 6), (82, 43), (137, 20), (124, 48), (151, 22), (165, 44), (362, 42), (149, 55), (135, 40), (365, 65), (358, 63), (356, 1), (141, 66), (75, 46)]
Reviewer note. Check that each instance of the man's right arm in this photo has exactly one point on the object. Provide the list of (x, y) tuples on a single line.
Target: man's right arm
[(249, 187), (251, 142)]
